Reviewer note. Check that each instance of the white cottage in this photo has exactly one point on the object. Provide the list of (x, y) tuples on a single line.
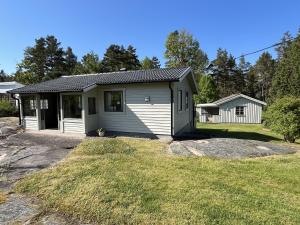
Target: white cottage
[(157, 101), (237, 108)]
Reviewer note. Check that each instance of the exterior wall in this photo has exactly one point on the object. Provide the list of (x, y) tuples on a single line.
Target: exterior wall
[(183, 120), (138, 116), (252, 111), (30, 122)]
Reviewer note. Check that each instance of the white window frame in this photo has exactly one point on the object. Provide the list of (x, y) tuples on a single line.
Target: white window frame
[(124, 100), (238, 110)]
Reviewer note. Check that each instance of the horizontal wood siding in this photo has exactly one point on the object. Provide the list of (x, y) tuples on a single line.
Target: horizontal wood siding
[(139, 116), (252, 111), (73, 126), (31, 123)]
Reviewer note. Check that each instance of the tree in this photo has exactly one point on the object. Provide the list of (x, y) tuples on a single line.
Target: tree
[(4, 77), (226, 74), (183, 50), (90, 63), (264, 69), (45, 60), (152, 63), (70, 61), (283, 117), (207, 90), (286, 79), (285, 42), (251, 80), (117, 57)]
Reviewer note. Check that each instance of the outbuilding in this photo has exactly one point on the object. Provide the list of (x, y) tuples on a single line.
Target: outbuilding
[(156, 101), (236, 108)]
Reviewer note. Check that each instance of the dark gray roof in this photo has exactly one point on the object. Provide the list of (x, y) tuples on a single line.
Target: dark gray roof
[(78, 83)]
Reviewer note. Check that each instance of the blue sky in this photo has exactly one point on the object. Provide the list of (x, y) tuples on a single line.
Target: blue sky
[(90, 25)]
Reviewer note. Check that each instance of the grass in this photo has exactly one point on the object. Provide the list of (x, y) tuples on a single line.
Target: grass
[(242, 131), (135, 181), (3, 197)]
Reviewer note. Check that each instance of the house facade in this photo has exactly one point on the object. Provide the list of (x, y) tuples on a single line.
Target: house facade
[(237, 108), (157, 101)]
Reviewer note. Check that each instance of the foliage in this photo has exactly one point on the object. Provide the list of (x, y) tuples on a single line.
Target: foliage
[(117, 57), (264, 71), (45, 60), (152, 63), (283, 117), (4, 77), (152, 185), (183, 50), (89, 64), (6, 108), (286, 80), (207, 90)]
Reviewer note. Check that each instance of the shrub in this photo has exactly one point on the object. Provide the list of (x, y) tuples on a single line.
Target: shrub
[(283, 117), (6, 108)]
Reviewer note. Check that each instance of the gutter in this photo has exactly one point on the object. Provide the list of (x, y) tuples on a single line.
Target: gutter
[(172, 101), (18, 100)]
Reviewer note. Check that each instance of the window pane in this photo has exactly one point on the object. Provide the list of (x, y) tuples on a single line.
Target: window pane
[(92, 105), (29, 105), (72, 106), (113, 101), (186, 100), (239, 110), (180, 100)]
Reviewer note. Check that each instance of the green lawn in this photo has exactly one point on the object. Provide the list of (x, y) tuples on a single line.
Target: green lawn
[(243, 131), (136, 181)]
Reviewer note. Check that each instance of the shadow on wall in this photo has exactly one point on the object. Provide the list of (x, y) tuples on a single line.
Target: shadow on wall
[(224, 133)]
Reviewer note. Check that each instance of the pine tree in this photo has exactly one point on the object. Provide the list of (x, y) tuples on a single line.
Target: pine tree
[(207, 90), (70, 61), (148, 63), (90, 63)]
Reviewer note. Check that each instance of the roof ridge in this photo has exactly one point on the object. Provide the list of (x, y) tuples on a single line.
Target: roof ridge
[(154, 69)]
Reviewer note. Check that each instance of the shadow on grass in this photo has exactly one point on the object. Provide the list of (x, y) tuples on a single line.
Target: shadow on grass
[(224, 133)]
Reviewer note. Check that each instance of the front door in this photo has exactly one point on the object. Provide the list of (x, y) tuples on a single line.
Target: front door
[(49, 111)]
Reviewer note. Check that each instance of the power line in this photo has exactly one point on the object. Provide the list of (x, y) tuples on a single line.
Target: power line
[(263, 49)]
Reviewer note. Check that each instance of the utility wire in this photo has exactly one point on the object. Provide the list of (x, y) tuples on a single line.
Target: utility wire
[(263, 49)]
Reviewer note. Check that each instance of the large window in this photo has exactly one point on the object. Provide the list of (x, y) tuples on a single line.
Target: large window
[(92, 105), (180, 100), (113, 101), (239, 110), (29, 105), (72, 106)]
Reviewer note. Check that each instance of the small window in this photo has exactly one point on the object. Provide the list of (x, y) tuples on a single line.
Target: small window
[(180, 100), (186, 100), (44, 103), (113, 101), (239, 110), (72, 106), (92, 105), (29, 105)]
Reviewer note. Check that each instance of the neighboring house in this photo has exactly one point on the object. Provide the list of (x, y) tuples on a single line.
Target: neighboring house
[(7, 86), (157, 101), (237, 108)]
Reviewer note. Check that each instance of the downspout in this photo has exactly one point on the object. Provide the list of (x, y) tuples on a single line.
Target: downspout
[(19, 108), (172, 101)]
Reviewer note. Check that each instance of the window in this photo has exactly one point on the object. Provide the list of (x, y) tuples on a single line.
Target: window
[(113, 101), (180, 100), (44, 103), (186, 100), (239, 110), (92, 105), (72, 106), (29, 105)]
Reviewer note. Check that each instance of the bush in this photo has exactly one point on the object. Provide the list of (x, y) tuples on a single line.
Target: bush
[(283, 117), (6, 108)]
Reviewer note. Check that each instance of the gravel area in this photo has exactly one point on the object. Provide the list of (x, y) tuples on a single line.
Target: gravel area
[(228, 148)]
